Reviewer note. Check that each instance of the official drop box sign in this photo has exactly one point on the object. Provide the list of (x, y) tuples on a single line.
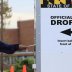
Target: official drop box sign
[(56, 35)]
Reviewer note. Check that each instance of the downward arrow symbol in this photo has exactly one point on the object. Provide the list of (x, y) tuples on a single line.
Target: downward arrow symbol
[(67, 32)]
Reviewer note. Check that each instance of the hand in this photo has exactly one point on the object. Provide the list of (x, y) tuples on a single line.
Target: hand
[(22, 47)]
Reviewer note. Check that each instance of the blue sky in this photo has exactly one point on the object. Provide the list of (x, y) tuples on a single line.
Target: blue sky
[(21, 10), (22, 5)]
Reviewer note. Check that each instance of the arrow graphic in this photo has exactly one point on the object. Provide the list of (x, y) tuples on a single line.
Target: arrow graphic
[(67, 32)]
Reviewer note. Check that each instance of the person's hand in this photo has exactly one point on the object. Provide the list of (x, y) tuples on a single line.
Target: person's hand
[(22, 47)]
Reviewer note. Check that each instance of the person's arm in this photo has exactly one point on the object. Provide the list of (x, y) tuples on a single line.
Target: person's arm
[(8, 48), (17, 47), (11, 48), (22, 47)]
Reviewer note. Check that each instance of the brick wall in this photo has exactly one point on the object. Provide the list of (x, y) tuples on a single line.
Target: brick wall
[(10, 36), (26, 32)]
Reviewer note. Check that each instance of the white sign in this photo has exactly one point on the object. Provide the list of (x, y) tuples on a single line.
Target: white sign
[(34, 66), (56, 36)]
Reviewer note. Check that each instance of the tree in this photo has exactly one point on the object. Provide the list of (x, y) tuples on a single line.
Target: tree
[(4, 14), (6, 9), (28, 62)]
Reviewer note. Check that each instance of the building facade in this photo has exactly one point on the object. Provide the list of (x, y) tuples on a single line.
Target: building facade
[(24, 35)]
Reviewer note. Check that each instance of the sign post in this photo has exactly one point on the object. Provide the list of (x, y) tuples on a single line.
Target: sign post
[(54, 35)]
